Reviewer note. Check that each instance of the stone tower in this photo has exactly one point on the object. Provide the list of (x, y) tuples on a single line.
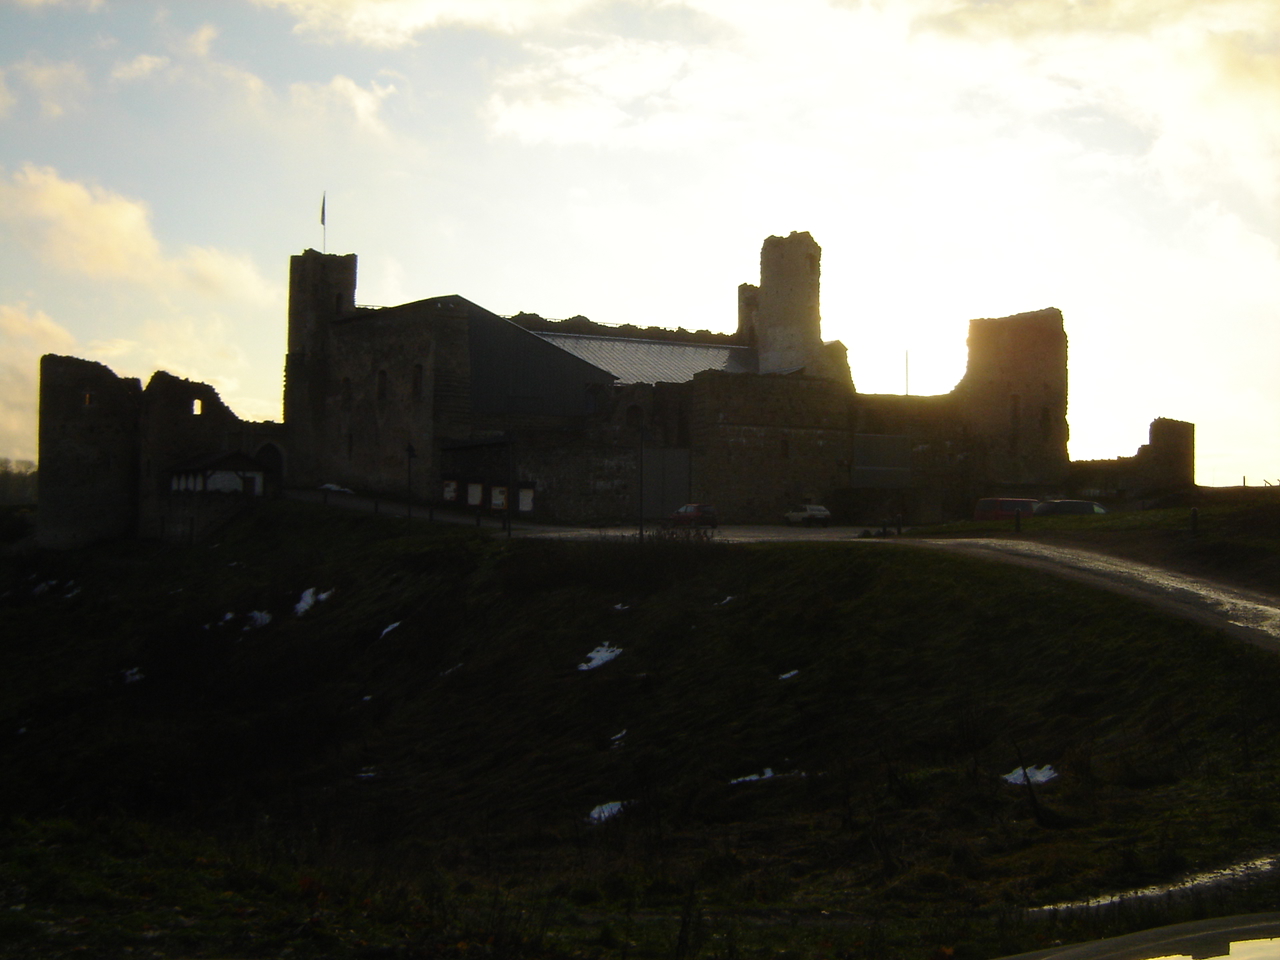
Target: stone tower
[(322, 288), (1013, 398), (781, 317), (88, 480)]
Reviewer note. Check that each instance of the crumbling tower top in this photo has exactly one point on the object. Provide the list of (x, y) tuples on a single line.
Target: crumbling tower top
[(781, 317)]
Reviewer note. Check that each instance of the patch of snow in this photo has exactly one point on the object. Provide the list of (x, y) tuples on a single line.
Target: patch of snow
[(310, 597), (766, 775), (132, 675), (723, 602), (388, 629), (600, 656), (366, 699), (367, 773), (229, 616), (456, 666), (605, 811), (72, 593), (257, 618), (43, 587), (618, 736), (620, 607), (306, 603), (1034, 774), (334, 487), (788, 675)]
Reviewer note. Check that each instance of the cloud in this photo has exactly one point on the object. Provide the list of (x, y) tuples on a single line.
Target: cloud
[(140, 66), (7, 99), (58, 86), (594, 93), (200, 42), (88, 230), (345, 95), (395, 23), (1024, 18), (90, 4), (25, 336), (197, 348)]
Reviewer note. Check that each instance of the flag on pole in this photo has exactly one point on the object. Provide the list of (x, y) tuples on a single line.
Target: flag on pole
[(323, 197)]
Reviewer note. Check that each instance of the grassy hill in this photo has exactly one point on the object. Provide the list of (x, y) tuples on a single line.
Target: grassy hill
[(808, 744)]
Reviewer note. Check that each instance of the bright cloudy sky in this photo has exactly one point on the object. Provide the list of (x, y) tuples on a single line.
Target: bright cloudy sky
[(624, 159)]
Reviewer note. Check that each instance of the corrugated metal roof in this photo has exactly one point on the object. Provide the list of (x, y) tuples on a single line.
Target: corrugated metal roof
[(653, 361)]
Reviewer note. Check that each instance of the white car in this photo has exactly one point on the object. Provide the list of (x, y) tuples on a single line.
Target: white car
[(809, 515)]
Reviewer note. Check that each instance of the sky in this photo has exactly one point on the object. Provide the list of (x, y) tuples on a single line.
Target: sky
[(624, 160)]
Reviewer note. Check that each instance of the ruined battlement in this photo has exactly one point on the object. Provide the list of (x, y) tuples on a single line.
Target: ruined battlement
[(88, 481), (781, 317)]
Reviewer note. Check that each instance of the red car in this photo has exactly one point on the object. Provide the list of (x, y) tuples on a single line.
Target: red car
[(1003, 508), (694, 515)]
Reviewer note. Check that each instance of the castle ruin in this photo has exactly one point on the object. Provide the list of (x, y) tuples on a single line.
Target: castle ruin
[(444, 402)]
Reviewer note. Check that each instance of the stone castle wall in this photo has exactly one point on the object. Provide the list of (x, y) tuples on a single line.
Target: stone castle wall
[(88, 478), (761, 443), (1013, 397)]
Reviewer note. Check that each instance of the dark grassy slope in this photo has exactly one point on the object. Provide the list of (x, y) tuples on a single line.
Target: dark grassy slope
[(463, 750)]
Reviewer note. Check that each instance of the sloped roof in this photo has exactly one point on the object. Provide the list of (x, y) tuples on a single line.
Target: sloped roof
[(653, 361)]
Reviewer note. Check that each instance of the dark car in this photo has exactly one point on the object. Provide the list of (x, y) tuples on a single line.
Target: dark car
[(1050, 508), (694, 515), (1003, 508)]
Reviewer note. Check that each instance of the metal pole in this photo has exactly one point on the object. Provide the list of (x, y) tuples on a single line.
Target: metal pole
[(409, 454), (640, 536)]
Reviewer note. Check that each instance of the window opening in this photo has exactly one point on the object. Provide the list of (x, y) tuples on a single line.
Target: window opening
[(197, 407)]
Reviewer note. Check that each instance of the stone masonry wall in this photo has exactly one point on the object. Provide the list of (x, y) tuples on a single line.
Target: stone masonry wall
[(761, 443), (1013, 397), (87, 484)]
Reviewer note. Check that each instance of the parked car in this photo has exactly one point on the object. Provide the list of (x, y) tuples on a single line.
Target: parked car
[(1058, 507), (1003, 508), (808, 515), (694, 515)]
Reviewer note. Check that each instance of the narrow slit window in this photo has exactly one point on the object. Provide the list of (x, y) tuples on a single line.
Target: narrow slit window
[(197, 407)]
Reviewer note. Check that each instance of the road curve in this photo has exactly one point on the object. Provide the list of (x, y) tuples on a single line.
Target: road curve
[(1247, 614)]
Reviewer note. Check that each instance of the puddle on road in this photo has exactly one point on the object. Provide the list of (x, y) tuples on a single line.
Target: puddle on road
[(1200, 881), (1236, 950), (1238, 607)]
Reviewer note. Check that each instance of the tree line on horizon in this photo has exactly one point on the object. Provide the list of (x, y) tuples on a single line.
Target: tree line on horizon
[(17, 481)]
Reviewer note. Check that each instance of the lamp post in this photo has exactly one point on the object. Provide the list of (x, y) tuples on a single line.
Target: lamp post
[(640, 531), (409, 454)]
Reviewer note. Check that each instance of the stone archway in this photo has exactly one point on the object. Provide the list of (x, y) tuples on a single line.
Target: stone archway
[(271, 457)]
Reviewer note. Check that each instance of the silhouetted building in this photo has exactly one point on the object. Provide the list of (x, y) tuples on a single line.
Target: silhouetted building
[(570, 420)]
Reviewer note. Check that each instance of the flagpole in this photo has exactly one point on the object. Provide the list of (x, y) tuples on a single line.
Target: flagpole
[(324, 228)]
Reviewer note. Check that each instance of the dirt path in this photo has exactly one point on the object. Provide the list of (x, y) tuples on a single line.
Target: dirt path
[(1249, 614)]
